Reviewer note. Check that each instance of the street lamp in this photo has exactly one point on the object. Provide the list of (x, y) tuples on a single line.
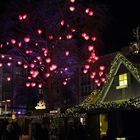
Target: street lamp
[(6, 105)]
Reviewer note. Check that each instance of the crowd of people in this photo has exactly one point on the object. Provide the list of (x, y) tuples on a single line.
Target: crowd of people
[(43, 130), (10, 130), (60, 131)]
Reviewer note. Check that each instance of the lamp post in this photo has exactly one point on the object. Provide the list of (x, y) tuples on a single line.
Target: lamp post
[(0, 109), (6, 105)]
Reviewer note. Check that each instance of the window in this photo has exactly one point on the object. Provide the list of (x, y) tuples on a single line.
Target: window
[(120, 138), (123, 81)]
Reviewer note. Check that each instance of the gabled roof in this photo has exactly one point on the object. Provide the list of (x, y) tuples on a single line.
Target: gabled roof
[(103, 61), (98, 96), (132, 104)]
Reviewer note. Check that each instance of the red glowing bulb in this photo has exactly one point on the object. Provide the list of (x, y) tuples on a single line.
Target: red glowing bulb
[(90, 13), (27, 39), (102, 68), (32, 65), (98, 84), (53, 67), (13, 41), (10, 58), (67, 53), (92, 76), (33, 84), (9, 64), (19, 62), (36, 44), (64, 83), (83, 34), (102, 79), (27, 84), (9, 78), (87, 10), (47, 75), (2, 56), (1, 64), (31, 72), (90, 48), (94, 73), (25, 66), (96, 81), (96, 58), (20, 17), (48, 60), (39, 31), (27, 51), (85, 71), (1, 45), (60, 37), (72, 1), (29, 77), (86, 37), (38, 57), (62, 22), (100, 73), (50, 37), (71, 8), (43, 49), (73, 30), (93, 38), (19, 44), (66, 69), (87, 66), (40, 85), (24, 16), (61, 72), (69, 36)]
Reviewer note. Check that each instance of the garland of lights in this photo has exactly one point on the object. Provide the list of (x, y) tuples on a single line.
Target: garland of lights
[(114, 66), (131, 104), (92, 103)]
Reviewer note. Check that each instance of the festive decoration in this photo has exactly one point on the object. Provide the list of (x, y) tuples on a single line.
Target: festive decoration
[(41, 105), (50, 45), (94, 102), (101, 93), (131, 104)]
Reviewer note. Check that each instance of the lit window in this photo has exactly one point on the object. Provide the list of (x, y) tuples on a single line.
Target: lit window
[(123, 81), (120, 138)]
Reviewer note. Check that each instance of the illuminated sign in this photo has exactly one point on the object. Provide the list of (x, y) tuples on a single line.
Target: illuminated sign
[(41, 105)]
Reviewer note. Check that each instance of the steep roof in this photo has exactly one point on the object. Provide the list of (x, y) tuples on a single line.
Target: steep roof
[(95, 101), (115, 60), (103, 61)]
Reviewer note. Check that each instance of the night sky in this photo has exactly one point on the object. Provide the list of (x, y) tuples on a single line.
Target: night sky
[(121, 19)]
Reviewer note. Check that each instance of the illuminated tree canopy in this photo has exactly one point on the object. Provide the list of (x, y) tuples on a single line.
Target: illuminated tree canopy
[(51, 38)]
